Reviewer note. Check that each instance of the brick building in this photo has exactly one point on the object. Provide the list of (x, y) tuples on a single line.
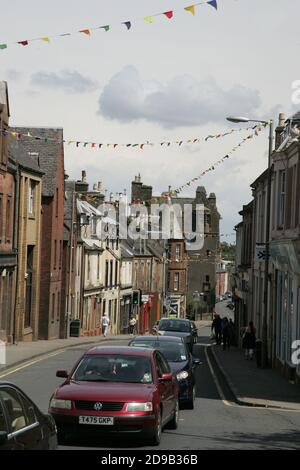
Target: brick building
[(8, 226), (48, 151)]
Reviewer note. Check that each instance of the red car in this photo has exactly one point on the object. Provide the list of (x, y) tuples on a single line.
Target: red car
[(117, 390)]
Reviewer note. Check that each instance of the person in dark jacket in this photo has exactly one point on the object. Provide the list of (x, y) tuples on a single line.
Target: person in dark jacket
[(249, 340), (226, 333), (217, 328)]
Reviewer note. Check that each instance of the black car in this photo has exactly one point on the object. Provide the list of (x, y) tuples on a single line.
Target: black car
[(180, 360), (180, 327), (22, 425)]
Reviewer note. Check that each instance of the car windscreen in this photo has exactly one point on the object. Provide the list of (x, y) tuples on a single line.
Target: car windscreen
[(173, 325), (173, 352), (114, 368)]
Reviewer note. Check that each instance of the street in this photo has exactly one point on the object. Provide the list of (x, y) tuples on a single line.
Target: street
[(215, 423)]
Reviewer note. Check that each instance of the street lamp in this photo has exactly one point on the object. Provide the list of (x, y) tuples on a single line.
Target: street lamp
[(268, 214)]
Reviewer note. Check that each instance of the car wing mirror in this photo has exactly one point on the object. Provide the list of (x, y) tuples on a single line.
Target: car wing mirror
[(166, 378), (3, 437), (63, 374), (196, 361)]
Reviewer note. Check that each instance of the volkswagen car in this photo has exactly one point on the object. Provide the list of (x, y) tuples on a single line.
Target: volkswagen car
[(181, 361), (116, 391)]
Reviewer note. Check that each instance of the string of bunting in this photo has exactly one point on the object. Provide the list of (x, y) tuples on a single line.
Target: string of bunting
[(191, 9), (141, 146), (256, 129)]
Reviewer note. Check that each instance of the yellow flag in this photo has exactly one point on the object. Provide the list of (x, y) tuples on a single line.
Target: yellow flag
[(191, 9), (46, 39), (149, 19)]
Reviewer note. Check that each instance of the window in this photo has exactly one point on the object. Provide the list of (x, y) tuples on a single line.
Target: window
[(58, 306), (178, 252), (31, 197), (176, 281), (88, 267), (281, 198), (14, 409), (29, 279), (116, 273), (55, 254), (111, 274), (98, 266), (56, 195), (169, 280), (109, 308), (106, 273), (53, 307), (8, 219), (61, 253), (94, 226), (103, 306)]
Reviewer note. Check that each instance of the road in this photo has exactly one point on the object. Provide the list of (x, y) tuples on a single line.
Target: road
[(213, 424)]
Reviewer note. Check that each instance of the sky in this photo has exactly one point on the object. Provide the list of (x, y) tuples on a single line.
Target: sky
[(175, 79)]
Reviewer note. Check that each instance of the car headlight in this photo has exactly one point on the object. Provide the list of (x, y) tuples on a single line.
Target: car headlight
[(182, 375), (132, 407), (61, 404)]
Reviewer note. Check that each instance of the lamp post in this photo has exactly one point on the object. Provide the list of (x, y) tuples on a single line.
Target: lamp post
[(264, 358)]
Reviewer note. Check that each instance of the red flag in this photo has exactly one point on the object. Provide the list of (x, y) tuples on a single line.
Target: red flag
[(23, 43), (168, 14)]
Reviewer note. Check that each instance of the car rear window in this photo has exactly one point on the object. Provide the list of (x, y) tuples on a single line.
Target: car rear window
[(174, 325), (114, 368)]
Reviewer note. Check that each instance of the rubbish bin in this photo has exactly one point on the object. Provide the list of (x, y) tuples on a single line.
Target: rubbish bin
[(258, 352), (75, 328)]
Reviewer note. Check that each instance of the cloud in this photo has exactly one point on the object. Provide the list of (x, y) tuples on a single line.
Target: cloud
[(66, 81), (13, 75), (183, 101)]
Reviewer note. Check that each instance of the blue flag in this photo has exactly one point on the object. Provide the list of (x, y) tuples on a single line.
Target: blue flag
[(213, 3)]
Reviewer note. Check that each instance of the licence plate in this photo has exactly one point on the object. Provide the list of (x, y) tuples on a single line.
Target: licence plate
[(102, 420)]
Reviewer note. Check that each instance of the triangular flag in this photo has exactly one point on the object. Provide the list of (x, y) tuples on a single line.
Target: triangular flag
[(23, 43), (45, 40), (148, 19), (3, 46), (106, 27), (168, 14), (127, 24), (191, 9), (85, 31), (213, 3)]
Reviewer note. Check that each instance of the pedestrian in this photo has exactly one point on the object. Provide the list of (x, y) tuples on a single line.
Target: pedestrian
[(249, 340), (216, 326), (232, 333), (105, 324), (226, 333), (132, 324)]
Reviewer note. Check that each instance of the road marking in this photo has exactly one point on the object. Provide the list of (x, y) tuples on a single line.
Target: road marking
[(30, 363), (236, 405)]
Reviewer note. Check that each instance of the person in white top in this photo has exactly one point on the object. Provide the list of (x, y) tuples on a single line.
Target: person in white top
[(105, 324), (132, 324)]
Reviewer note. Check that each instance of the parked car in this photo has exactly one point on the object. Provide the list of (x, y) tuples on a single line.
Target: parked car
[(180, 360), (179, 327), (117, 390), (22, 425)]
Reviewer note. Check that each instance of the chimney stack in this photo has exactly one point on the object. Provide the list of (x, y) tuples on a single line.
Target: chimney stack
[(83, 176), (279, 129)]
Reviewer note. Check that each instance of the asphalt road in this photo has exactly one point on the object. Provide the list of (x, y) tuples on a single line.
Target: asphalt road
[(213, 424)]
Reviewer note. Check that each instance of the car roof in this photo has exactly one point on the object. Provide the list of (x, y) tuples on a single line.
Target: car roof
[(159, 339), (119, 350), (175, 319)]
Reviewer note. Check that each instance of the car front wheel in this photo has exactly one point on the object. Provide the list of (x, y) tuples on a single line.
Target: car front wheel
[(156, 438)]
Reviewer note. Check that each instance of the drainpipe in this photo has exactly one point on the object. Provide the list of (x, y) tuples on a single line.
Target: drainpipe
[(15, 246)]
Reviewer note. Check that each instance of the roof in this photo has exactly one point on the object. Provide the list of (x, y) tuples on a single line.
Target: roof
[(48, 145), (119, 350), (25, 161), (261, 177), (69, 190)]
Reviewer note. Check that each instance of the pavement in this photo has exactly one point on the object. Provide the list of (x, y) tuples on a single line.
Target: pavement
[(253, 386)]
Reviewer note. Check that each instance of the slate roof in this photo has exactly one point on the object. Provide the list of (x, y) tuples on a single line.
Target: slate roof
[(49, 149), (25, 161)]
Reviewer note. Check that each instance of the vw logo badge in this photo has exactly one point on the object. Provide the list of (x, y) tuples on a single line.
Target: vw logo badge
[(98, 406)]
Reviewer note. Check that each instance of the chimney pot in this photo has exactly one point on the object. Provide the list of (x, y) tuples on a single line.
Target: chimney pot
[(83, 176), (281, 120)]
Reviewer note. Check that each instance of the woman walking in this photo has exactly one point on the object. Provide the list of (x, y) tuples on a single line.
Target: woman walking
[(249, 340)]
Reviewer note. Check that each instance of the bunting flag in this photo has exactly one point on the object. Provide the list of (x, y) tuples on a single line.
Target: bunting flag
[(191, 9), (87, 31), (257, 129), (92, 144)]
